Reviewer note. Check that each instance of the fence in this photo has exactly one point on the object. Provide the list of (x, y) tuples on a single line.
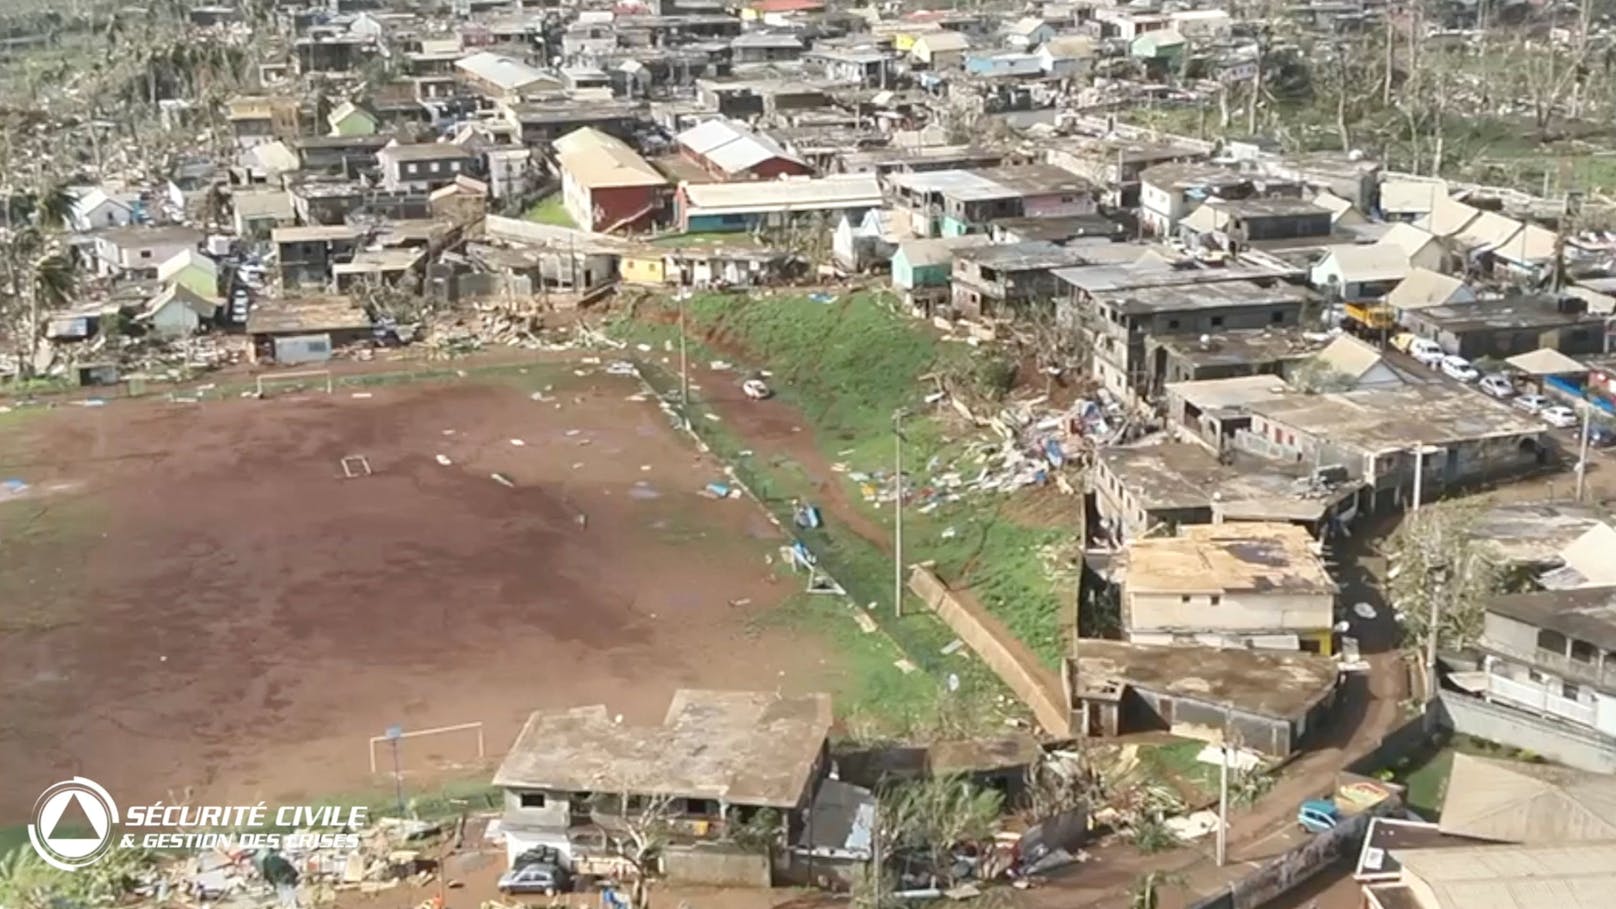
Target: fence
[(1558, 742), (1289, 869)]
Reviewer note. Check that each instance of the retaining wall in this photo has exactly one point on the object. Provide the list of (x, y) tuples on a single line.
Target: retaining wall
[(1035, 684)]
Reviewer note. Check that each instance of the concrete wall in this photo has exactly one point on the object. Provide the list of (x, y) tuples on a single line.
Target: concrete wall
[(1244, 611), (1034, 683), (1288, 870), (555, 812), (1558, 742), (717, 866)]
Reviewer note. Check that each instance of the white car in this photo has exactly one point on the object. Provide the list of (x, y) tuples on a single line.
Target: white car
[(756, 389), (1558, 416), (1428, 352), (1496, 385), (1459, 368), (1531, 403)]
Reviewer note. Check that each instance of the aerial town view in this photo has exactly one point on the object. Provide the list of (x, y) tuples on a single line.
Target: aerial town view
[(750, 454)]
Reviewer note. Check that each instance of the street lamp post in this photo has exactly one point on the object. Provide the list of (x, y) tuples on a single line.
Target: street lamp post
[(897, 513)]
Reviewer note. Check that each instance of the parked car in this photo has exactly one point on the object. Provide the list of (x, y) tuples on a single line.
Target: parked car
[(1531, 403), (1497, 385), (548, 878), (1558, 416), (756, 389), (1402, 340), (1428, 352), (1601, 436), (1459, 368), (1318, 815)]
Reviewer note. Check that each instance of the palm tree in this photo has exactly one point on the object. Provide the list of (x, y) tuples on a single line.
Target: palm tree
[(36, 274)]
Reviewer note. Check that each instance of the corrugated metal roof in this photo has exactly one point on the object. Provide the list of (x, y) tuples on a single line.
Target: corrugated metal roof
[(732, 148), (1527, 803), (502, 71), (839, 191), (1563, 876), (597, 160)]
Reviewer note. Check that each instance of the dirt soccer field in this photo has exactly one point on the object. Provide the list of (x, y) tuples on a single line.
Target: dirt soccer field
[(195, 597)]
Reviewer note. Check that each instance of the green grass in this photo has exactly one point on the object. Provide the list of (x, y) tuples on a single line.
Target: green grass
[(705, 238), (550, 210), (1426, 773), (847, 366)]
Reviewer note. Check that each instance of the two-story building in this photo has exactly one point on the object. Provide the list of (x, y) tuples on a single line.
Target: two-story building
[(998, 279), (306, 256), (1549, 656), (1118, 323), (1168, 192), (425, 166), (136, 252), (1238, 584), (717, 760)]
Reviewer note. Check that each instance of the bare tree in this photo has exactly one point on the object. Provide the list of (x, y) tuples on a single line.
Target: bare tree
[(637, 830)]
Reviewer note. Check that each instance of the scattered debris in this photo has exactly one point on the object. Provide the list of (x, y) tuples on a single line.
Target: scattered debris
[(502, 480)]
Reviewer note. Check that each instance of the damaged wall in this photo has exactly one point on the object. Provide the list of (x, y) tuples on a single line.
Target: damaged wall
[(717, 866)]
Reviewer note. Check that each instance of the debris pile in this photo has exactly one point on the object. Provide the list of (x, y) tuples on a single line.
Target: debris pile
[(311, 867)]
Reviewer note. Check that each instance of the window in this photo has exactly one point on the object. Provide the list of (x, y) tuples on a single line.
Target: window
[(701, 807), (1551, 640), (1584, 652), (454, 167), (1184, 599), (1217, 599), (1277, 317), (145, 254), (1217, 321), (1570, 692), (532, 799), (1172, 324), (412, 168)]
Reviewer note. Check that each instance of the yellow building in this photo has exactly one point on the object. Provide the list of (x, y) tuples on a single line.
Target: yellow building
[(643, 268)]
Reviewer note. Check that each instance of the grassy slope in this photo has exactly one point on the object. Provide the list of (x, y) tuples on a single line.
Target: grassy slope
[(848, 365), (549, 210)]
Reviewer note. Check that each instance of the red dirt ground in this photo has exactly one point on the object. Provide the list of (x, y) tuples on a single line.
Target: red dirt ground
[(301, 613)]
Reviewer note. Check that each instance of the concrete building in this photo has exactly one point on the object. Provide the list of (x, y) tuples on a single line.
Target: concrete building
[(719, 756), (1552, 656), (1269, 701), (999, 280), (1237, 584), (1501, 328), (305, 256), (425, 166), (501, 78), (1373, 435), (1143, 489), (605, 185), (136, 252)]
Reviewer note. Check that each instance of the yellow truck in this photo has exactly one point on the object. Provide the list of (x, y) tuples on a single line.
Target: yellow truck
[(1368, 318)]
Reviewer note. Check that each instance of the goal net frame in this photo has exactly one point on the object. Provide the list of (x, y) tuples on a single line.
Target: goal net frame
[(375, 740), (264, 381)]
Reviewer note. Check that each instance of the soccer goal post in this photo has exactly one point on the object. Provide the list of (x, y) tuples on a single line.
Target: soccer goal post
[(296, 381), (465, 731)]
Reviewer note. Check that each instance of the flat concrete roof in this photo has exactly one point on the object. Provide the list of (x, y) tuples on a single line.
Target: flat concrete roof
[(1261, 557), (1585, 613), (1528, 533), (1381, 421), (1277, 684), (1231, 348), (741, 747), (1182, 475)]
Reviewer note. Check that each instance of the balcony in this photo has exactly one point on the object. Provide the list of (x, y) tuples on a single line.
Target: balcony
[(1537, 698), (1558, 664)]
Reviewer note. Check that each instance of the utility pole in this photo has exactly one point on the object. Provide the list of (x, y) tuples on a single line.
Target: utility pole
[(1439, 586), (1582, 452), (897, 513), (1223, 803), (1419, 473), (684, 367)]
